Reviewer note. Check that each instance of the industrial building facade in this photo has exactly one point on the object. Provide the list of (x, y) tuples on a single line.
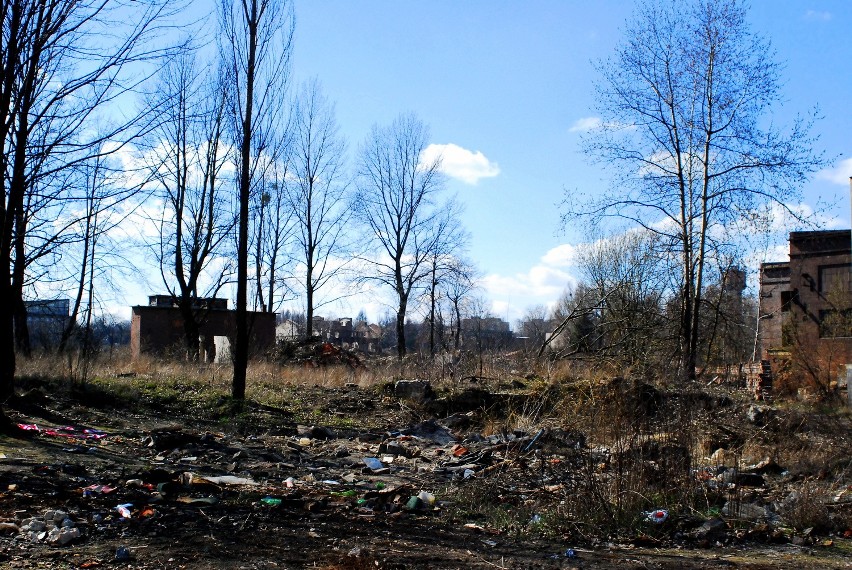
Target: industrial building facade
[(807, 301)]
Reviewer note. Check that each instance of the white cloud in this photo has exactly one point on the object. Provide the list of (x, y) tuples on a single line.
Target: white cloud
[(840, 174), (542, 284), (561, 255), (586, 124), (460, 163), (818, 15)]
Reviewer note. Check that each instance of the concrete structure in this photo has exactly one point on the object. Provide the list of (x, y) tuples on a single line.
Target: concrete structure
[(808, 299), (158, 328)]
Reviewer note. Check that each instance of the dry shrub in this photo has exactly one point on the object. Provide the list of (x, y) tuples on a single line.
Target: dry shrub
[(807, 507), (811, 368), (640, 451)]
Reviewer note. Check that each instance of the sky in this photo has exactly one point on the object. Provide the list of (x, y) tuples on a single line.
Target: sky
[(506, 89)]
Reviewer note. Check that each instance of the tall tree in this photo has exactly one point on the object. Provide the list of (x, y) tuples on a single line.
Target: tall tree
[(396, 201), (318, 194), (54, 80), (682, 105), (256, 44), (187, 154)]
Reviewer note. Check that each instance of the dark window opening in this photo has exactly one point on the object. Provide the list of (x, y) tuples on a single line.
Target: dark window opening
[(788, 298)]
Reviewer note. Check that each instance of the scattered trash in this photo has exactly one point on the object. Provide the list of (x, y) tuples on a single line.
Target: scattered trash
[(571, 554), (373, 463), (122, 554), (124, 510), (229, 480), (426, 498), (271, 501), (93, 490), (658, 516), (533, 440), (413, 503)]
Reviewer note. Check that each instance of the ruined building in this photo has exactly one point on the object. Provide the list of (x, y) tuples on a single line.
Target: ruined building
[(807, 301), (158, 328)]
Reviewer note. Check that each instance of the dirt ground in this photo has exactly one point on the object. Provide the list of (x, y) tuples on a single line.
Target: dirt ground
[(270, 492)]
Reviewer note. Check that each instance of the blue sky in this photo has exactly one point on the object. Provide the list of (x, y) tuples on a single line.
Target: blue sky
[(513, 81), (508, 86)]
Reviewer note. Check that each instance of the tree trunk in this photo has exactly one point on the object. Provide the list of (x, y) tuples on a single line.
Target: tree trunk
[(309, 305), (400, 329), (238, 390), (432, 314)]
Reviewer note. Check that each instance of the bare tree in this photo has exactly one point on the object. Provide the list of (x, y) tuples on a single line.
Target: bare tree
[(273, 231), (256, 45), (186, 157), (318, 195), (55, 79), (681, 104), (396, 202)]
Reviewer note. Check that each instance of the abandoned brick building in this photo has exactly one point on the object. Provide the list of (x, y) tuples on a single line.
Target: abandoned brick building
[(158, 328), (807, 301)]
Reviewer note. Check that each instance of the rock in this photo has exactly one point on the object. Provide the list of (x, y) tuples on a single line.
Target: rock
[(711, 530), (760, 415), (416, 390)]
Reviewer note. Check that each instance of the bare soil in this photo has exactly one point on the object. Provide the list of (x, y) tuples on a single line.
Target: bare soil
[(267, 490)]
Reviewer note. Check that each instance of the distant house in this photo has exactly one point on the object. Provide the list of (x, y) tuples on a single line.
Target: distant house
[(486, 332), (157, 328), (808, 300), (347, 335), (287, 331)]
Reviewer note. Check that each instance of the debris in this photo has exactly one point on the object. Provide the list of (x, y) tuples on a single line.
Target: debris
[(122, 554), (658, 516), (426, 498), (93, 490), (760, 415), (228, 480), (431, 430), (571, 554), (373, 463)]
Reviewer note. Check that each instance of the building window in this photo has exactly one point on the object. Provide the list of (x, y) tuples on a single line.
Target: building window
[(788, 298), (835, 278), (835, 324)]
